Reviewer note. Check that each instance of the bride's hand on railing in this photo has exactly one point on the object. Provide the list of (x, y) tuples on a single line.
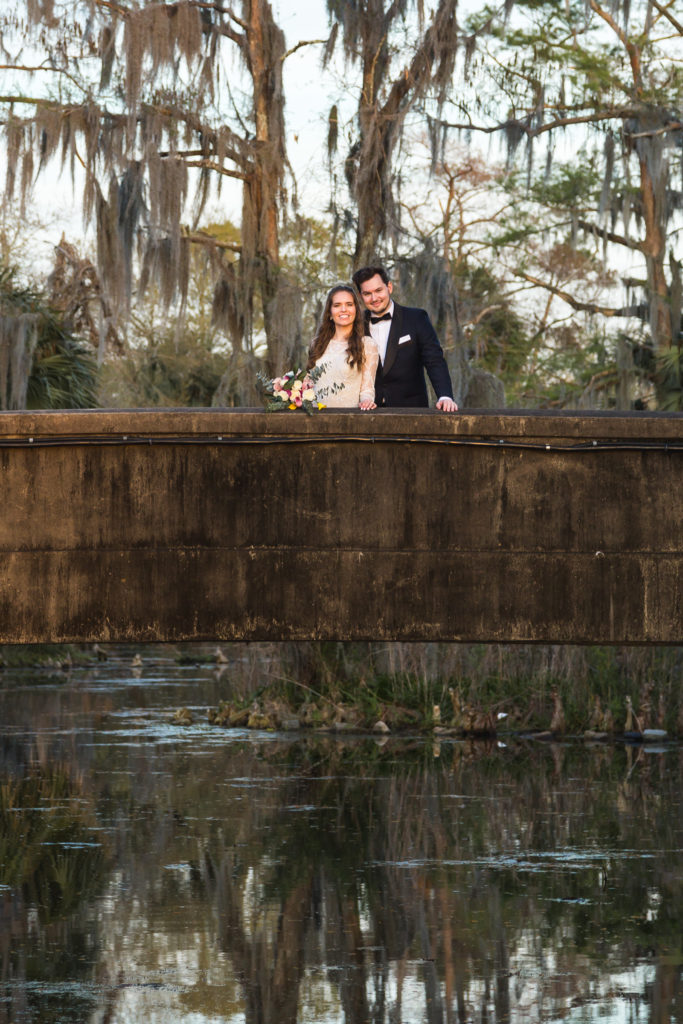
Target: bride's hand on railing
[(367, 404)]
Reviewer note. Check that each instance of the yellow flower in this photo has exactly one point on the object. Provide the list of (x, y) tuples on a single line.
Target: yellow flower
[(292, 406), (321, 405)]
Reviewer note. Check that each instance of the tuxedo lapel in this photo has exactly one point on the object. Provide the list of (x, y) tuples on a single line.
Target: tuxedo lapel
[(392, 340)]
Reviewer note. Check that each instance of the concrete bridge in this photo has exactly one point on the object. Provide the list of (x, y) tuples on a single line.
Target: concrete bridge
[(237, 525)]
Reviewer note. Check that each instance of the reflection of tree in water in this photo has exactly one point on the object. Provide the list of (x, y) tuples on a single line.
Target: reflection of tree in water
[(51, 863), (268, 955), (499, 889), (351, 882)]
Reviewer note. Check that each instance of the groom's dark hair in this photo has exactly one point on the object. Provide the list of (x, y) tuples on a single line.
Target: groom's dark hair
[(365, 273)]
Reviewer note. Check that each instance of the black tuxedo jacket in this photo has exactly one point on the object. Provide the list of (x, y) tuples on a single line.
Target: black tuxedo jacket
[(412, 348)]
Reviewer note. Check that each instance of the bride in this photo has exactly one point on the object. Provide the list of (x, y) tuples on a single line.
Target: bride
[(346, 361)]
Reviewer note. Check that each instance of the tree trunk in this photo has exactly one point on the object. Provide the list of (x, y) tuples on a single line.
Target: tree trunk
[(382, 107), (264, 52), (654, 249)]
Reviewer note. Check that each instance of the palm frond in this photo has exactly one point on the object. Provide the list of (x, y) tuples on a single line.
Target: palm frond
[(63, 376), (60, 371)]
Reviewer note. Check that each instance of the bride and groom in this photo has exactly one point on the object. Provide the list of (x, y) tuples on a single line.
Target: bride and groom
[(376, 357)]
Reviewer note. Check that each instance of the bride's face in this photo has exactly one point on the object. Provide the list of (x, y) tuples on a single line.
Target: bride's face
[(343, 309)]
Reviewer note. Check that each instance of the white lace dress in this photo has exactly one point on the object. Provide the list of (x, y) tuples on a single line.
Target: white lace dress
[(342, 386)]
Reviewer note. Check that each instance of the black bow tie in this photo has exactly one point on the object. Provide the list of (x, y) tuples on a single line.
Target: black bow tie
[(377, 319)]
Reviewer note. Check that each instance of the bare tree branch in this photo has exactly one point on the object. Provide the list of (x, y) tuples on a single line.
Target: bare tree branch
[(189, 118), (669, 16), (240, 39), (303, 42), (609, 236), (29, 67), (584, 307), (220, 9), (200, 238), (481, 314), (631, 48), (673, 126), (38, 101), (547, 126), (109, 6), (212, 165)]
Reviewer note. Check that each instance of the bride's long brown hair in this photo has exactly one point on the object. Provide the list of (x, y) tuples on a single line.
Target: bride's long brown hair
[(326, 330)]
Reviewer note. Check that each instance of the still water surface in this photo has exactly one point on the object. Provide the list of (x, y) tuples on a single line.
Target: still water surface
[(157, 873)]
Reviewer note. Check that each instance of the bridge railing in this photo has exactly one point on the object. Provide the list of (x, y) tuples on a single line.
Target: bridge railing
[(152, 525)]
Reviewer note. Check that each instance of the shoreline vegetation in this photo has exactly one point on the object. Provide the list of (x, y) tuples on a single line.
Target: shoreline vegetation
[(456, 690)]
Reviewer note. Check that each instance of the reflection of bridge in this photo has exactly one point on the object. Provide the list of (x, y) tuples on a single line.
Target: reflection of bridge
[(191, 525)]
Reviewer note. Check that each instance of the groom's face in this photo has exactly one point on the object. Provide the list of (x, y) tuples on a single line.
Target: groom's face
[(376, 294)]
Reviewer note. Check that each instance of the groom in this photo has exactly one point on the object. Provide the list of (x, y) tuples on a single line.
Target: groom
[(407, 344)]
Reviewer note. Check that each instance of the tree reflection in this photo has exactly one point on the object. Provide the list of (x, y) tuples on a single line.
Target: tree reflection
[(493, 892), (51, 863), (233, 878), (266, 947)]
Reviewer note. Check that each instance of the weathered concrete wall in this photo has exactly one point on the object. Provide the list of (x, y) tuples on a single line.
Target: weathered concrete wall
[(187, 525)]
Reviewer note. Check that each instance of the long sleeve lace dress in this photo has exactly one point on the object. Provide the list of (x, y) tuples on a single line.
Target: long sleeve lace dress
[(342, 386)]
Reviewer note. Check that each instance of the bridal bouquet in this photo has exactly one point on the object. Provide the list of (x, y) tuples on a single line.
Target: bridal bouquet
[(293, 390)]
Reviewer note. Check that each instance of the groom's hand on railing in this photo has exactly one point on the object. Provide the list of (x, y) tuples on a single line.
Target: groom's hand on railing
[(447, 405)]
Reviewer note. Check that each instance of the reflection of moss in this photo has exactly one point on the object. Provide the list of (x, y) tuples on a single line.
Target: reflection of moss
[(47, 846)]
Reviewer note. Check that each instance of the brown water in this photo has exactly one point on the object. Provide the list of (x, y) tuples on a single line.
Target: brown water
[(153, 873)]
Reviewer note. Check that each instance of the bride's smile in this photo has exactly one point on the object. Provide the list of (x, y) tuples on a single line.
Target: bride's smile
[(343, 309)]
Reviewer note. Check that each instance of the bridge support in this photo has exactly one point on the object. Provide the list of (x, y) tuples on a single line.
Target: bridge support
[(237, 525)]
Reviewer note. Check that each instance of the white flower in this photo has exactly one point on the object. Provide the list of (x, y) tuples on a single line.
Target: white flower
[(308, 395)]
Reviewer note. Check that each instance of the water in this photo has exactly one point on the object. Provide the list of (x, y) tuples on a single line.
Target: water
[(157, 873)]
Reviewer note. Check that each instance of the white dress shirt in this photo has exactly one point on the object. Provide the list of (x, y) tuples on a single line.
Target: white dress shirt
[(380, 333)]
